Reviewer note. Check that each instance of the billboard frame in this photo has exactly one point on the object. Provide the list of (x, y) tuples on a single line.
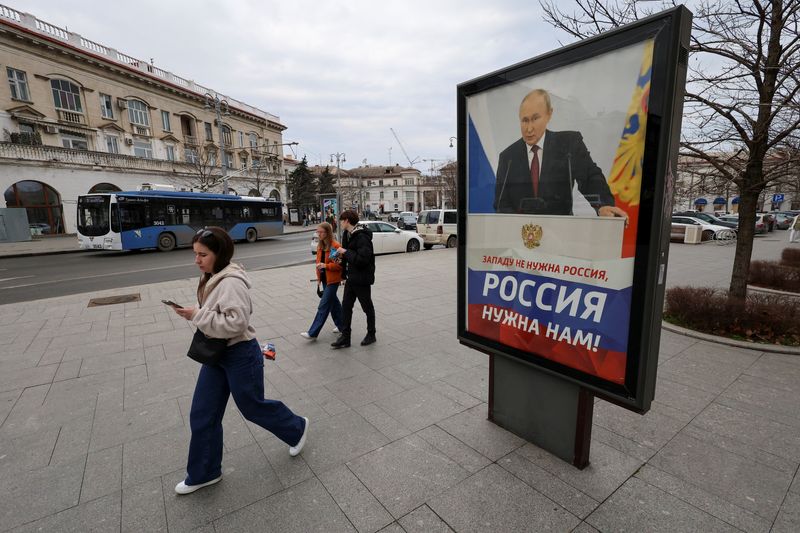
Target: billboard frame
[(670, 31)]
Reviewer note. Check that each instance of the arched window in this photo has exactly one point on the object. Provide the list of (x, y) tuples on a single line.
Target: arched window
[(42, 203), (138, 113), (275, 195), (254, 192), (66, 95), (104, 187)]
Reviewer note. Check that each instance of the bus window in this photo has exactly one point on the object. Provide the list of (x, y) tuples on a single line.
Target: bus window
[(132, 216), (115, 218)]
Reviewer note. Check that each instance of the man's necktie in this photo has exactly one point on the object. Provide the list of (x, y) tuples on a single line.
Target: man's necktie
[(535, 170)]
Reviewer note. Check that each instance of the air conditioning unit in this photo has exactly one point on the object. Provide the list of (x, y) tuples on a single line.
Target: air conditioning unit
[(122, 104), (51, 129), (129, 141)]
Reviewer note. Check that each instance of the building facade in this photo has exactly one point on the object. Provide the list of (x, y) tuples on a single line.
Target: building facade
[(77, 117)]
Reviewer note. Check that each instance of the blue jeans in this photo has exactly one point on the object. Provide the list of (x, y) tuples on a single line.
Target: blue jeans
[(329, 303), (241, 375)]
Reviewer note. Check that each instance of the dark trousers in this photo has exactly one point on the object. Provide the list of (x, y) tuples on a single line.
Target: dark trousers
[(364, 295), (241, 375)]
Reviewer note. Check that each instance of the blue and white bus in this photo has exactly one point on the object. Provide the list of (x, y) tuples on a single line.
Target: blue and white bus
[(165, 219)]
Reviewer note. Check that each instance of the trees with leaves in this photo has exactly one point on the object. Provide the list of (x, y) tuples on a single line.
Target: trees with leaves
[(741, 108), (326, 182), (302, 185)]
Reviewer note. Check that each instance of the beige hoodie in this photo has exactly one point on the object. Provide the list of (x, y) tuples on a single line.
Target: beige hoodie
[(226, 306)]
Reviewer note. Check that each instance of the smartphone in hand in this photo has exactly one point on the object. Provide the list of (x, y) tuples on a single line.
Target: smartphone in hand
[(171, 304)]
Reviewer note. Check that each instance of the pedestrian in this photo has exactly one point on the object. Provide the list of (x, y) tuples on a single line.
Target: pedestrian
[(329, 275), (794, 231), (359, 264), (223, 312)]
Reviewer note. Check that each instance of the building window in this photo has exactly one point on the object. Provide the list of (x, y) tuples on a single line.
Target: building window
[(138, 113), (18, 82), (165, 121), (395, 195), (74, 142), (241, 139), (209, 134), (409, 196), (66, 95), (112, 144), (170, 153), (253, 141), (106, 106), (142, 149), (394, 183), (409, 181), (381, 195), (191, 156), (256, 162), (366, 196), (226, 135), (380, 183), (243, 159)]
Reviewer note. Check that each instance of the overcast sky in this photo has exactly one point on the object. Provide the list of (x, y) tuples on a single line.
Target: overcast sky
[(339, 74)]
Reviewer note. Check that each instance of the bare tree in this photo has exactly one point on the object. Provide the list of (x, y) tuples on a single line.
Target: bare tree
[(202, 170), (264, 172), (449, 183), (741, 105)]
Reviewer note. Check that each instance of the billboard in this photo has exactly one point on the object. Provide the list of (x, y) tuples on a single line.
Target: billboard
[(564, 161)]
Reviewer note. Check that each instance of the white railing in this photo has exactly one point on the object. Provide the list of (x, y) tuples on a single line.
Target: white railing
[(36, 25)]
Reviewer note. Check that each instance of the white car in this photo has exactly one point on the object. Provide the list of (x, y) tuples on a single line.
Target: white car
[(708, 230), (386, 238)]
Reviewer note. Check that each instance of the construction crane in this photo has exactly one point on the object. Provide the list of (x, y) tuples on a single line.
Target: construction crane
[(411, 162)]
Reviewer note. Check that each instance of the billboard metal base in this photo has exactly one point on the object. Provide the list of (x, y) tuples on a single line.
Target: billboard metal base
[(550, 412)]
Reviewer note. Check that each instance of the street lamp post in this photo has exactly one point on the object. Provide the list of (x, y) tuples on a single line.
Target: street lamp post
[(340, 158), (221, 108)]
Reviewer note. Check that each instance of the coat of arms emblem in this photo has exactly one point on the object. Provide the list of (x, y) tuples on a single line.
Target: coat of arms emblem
[(531, 235)]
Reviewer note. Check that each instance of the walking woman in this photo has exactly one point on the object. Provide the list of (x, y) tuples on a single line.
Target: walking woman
[(224, 313), (329, 274)]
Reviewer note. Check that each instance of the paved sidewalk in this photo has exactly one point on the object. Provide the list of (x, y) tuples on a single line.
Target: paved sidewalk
[(94, 426), (62, 244)]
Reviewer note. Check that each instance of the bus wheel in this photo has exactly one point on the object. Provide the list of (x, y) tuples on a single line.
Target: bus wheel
[(166, 242), (250, 235)]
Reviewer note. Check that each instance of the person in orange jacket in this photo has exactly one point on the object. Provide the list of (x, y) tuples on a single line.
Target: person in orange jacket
[(329, 275)]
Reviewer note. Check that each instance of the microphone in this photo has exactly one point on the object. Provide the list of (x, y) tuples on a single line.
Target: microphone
[(571, 181), (502, 189)]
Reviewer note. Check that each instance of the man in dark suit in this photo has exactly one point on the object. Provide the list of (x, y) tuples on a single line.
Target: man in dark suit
[(536, 174)]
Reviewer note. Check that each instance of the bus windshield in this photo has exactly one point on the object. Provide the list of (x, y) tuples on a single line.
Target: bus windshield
[(93, 215)]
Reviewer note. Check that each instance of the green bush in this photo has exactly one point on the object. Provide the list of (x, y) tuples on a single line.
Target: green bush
[(765, 318)]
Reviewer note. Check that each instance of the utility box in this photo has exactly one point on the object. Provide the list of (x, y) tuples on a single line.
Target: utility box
[(693, 235), (14, 225)]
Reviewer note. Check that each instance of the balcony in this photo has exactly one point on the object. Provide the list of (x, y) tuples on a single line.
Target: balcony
[(190, 140), (71, 116), (141, 130)]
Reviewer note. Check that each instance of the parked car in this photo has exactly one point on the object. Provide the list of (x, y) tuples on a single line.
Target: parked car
[(710, 219), (782, 220), (407, 220), (761, 226), (708, 230), (438, 226), (386, 239), (393, 216), (769, 220)]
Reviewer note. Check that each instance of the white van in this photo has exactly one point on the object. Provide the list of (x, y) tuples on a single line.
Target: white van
[(438, 226)]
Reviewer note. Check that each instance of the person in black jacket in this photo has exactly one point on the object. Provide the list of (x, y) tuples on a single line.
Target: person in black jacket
[(358, 261)]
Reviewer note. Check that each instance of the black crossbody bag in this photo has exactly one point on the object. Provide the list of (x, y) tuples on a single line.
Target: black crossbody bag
[(207, 350)]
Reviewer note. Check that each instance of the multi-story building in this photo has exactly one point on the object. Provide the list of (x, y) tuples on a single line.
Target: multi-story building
[(77, 116), (388, 189)]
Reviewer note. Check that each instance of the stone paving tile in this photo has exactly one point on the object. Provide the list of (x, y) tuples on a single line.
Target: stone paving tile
[(778, 368), (494, 500), (28, 452), (473, 428), (73, 441), (585, 528), (152, 456), (653, 430), (406, 473), (451, 392), (338, 439), (607, 471), (327, 401), (27, 377), (565, 495), (91, 349), (418, 408), (363, 389), (703, 500), (290, 470), (758, 397), (384, 423), (474, 381), (463, 455), (31, 495), (788, 519), (353, 498), (683, 397), (637, 506), (733, 478), (426, 369), (143, 508), (246, 478), (97, 516), (303, 508), (622, 444), (68, 370), (102, 474), (7, 402), (705, 374), (752, 429), (119, 427), (423, 520), (103, 363)]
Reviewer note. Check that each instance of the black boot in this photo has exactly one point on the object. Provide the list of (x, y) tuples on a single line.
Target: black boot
[(369, 339), (342, 342)]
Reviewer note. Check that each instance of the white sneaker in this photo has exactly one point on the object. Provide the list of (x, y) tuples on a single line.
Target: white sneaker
[(336, 330), (183, 488), (295, 450), (306, 336)]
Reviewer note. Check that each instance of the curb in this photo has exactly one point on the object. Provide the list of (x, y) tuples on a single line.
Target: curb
[(771, 348), (764, 290)]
